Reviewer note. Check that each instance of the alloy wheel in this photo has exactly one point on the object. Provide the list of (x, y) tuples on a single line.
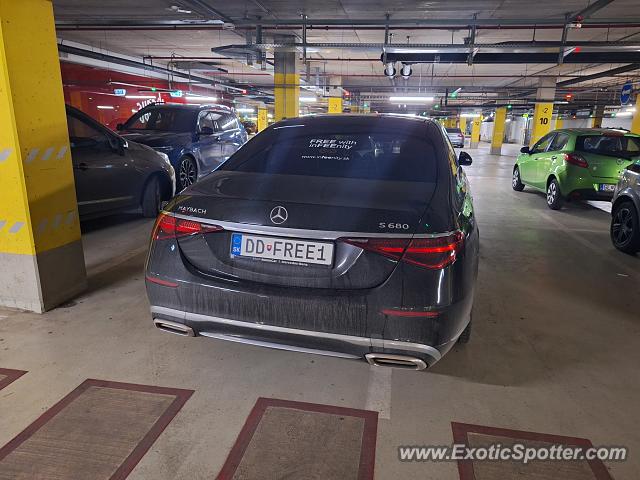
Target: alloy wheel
[(622, 228), (552, 193), (187, 173), (515, 181)]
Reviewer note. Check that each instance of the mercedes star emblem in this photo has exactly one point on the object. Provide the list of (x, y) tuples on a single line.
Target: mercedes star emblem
[(279, 215)]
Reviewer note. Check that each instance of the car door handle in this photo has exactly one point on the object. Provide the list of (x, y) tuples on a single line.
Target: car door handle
[(553, 157)]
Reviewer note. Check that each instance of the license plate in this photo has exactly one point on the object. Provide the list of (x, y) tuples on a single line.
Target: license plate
[(607, 187), (281, 250)]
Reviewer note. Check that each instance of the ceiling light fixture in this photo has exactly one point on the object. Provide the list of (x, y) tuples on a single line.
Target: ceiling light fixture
[(406, 71), (390, 70), (308, 99), (201, 99), (410, 99), (140, 97)]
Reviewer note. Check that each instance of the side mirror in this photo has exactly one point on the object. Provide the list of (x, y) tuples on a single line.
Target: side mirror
[(119, 127), (206, 131), (525, 149), (464, 159)]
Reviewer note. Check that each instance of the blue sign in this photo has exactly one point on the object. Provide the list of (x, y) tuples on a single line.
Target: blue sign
[(176, 93), (120, 92), (625, 93)]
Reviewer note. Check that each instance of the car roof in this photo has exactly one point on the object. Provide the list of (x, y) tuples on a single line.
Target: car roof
[(596, 131), (392, 120), (183, 106)]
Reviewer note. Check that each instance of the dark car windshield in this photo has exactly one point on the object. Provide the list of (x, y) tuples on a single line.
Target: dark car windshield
[(346, 152), (612, 145), (163, 119)]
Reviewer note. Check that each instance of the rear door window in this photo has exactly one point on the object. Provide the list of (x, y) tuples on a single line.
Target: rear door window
[(559, 142), (376, 155)]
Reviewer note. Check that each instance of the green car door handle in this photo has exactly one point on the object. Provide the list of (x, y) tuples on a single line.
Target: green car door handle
[(553, 157)]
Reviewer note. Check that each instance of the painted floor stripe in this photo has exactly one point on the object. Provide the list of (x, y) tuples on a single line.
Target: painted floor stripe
[(379, 391)]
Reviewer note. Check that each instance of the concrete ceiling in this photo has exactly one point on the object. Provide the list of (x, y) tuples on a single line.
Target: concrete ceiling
[(140, 29)]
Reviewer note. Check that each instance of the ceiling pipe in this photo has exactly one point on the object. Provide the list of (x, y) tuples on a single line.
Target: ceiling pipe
[(448, 23), (606, 73)]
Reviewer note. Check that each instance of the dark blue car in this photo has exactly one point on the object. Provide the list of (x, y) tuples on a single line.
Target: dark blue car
[(196, 138)]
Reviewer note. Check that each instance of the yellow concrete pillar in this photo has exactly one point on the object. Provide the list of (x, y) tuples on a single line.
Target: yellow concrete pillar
[(335, 105), (541, 121), (559, 123), (286, 81), (476, 123), (463, 125), (263, 121), (635, 122), (597, 117), (42, 264), (499, 122)]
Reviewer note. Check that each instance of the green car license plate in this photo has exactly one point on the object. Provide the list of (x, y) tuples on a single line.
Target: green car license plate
[(606, 187)]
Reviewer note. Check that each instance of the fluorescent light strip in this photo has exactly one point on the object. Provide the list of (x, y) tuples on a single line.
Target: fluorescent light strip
[(105, 107), (308, 99), (201, 99), (410, 99), (139, 97)]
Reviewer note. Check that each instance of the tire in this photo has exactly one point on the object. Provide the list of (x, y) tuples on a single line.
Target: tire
[(625, 228), (465, 336), (187, 172), (516, 182), (151, 198), (554, 196)]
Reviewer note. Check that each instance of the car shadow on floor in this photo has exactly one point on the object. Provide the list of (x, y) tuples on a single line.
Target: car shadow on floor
[(92, 225)]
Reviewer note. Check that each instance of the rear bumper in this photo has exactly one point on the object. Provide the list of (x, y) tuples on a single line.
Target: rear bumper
[(284, 338)]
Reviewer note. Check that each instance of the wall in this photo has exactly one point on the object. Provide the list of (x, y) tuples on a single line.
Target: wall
[(87, 88), (620, 122)]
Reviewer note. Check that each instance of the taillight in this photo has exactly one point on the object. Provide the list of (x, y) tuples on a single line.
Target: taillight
[(433, 253), (575, 159), (168, 226)]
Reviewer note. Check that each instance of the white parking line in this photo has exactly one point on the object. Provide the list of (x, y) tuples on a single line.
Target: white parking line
[(604, 206), (379, 391)]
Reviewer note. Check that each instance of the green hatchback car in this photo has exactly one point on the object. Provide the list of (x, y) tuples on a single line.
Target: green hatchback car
[(576, 163)]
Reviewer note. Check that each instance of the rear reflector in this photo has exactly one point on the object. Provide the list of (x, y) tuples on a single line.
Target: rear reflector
[(159, 281), (576, 160), (168, 226), (433, 253)]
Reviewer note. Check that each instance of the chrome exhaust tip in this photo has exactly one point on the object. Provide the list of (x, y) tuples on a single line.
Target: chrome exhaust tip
[(398, 361), (174, 327)]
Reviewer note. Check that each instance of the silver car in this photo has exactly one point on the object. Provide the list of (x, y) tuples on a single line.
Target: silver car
[(625, 227), (456, 137)]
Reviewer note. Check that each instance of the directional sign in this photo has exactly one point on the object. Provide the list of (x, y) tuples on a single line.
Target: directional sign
[(120, 92), (176, 93), (625, 93)]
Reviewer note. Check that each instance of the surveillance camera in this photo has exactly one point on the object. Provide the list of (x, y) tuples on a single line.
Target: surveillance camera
[(406, 71), (390, 70)]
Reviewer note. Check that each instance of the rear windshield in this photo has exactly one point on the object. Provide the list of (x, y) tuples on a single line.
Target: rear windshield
[(163, 120), (453, 130), (616, 146), (351, 152)]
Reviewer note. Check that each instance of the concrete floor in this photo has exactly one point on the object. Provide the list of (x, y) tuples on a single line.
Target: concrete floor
[(555, 347)]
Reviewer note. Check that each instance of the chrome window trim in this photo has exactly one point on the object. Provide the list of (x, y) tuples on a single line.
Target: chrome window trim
[(362, 341), (302, 233)]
